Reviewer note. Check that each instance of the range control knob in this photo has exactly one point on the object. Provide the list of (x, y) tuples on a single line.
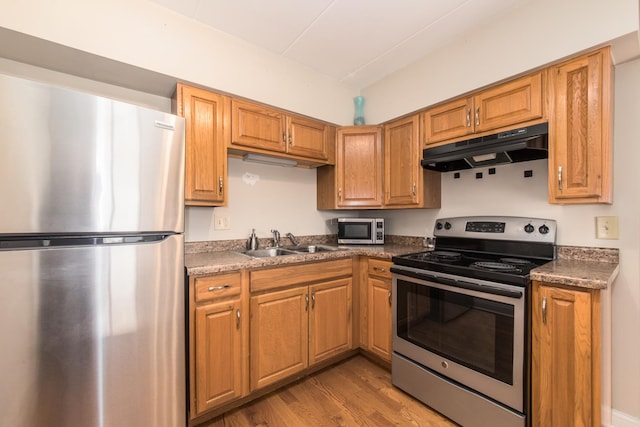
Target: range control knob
[(529, 228), (543, 229), (438, 226), (447, 226)]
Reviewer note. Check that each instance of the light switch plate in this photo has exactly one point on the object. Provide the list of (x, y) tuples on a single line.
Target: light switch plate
[(607, 227), (221, 222)]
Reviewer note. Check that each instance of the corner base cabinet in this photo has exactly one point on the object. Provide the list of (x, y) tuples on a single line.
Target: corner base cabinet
[(566, 356)]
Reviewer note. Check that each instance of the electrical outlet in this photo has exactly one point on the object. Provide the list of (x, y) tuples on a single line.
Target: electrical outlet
[(221, 223), (607, 227)]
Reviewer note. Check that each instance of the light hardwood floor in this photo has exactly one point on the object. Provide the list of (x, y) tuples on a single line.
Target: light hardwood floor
[(356, 392)]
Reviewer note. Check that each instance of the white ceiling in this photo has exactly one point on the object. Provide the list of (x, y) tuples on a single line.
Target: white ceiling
[(357, 42)]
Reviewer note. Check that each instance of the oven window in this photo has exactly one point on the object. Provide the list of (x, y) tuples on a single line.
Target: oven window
[(354, 230), (475, 332)]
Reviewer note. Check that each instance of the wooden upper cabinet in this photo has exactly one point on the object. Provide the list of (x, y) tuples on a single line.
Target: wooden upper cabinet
[(258, 126), (359, 166), (580, 132), (267, 130), (207, 132), (449, 120), (307, 138), (406, 183), (517, 101), (508, 104)]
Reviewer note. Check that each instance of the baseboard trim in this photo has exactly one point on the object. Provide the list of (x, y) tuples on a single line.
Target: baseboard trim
[(620, 419)]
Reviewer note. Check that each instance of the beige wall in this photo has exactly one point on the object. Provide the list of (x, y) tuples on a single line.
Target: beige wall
[(143, 34)]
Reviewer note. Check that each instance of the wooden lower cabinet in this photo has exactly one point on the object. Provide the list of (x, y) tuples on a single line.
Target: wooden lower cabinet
[(279, 335), (305, 323), (218, 343), (378, 312), (566, 356)]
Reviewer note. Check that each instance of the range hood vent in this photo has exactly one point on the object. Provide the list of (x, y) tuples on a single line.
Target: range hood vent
[(518, 145)]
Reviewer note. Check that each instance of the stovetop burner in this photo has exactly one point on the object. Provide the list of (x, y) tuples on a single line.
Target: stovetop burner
[(499, 248), (495, 266)]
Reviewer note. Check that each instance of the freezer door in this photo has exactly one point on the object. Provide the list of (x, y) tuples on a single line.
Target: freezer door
[(72, 163), (93, 336)]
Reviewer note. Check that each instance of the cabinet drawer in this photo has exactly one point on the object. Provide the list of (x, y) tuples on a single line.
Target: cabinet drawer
[(273, 278), (219, 286), (380, 268)]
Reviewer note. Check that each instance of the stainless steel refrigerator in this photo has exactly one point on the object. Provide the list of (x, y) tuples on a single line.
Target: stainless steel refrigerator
[(92, 305)]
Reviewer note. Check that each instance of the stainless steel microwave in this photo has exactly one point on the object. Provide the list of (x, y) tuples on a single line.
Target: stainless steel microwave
[(360, 231)]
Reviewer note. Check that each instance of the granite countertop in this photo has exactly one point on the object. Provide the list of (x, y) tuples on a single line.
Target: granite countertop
[(210, 262), (582, 267)]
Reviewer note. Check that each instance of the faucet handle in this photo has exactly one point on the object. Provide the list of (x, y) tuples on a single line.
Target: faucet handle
[(276, 237)]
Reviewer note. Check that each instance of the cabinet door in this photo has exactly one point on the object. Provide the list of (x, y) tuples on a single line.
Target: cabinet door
[(279, 335), (447, 121), (307, 138), (218, 358), (330, 324), (402, 170), (207, 132), (562, 378), (580, 155), (510, 103), (359, 166), (379, 317), (257, 126)]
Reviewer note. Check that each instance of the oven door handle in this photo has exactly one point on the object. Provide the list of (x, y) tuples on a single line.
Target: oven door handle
[(489, 289), (458, 283)]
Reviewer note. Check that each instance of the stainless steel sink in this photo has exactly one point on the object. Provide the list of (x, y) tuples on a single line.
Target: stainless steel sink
[(311, 248), (268, 252), (288, 250)]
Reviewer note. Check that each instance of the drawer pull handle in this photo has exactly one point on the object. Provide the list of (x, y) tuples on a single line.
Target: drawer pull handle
[(238, 318), (380, 269), (560, 178), (544, 310), (219, 288)]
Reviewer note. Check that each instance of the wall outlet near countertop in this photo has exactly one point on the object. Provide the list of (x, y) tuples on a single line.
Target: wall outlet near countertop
[(221, 222), (607, 227)]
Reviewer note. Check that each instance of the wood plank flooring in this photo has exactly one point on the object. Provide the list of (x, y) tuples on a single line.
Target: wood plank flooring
[(356, 392)]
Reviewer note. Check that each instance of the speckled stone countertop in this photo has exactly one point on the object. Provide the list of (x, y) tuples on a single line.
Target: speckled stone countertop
[(584, 267), (208, 257), (591, 268)]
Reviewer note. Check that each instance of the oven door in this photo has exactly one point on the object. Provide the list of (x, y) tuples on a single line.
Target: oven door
[(470, 331)]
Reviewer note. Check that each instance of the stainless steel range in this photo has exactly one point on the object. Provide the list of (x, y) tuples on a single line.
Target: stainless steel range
[(460, 317)]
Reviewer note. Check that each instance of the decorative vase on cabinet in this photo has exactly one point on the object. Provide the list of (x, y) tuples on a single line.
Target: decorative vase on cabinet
[(358, 119)]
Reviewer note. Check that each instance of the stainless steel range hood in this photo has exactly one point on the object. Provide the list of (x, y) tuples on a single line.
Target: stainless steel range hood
[(517, 145)]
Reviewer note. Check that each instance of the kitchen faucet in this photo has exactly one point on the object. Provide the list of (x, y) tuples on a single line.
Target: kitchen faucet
[(293, 239), (276, 238)]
